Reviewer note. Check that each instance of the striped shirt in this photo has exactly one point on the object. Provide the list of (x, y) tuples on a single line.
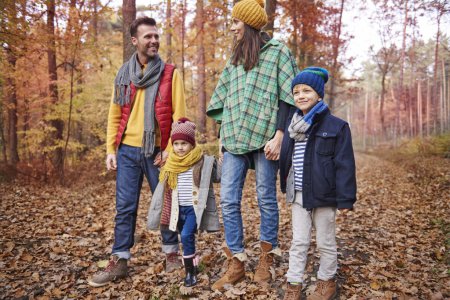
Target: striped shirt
[(297, 162), (184, 186)]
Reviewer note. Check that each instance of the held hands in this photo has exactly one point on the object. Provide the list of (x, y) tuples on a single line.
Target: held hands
[(111, 162), (160, 159), (273, 147)]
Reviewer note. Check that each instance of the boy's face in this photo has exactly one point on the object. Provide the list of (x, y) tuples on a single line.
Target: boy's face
[(305, 97), (181, 148)]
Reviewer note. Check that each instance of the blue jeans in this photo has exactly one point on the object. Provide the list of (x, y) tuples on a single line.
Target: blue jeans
[(234, 171), (131, 168), (187, 226)]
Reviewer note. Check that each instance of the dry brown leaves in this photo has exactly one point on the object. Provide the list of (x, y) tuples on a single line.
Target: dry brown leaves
[(393, 246)]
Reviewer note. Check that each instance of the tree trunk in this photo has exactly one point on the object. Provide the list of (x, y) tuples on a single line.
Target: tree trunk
[(201, 116), (169, 31), (402, 66), (366, 111), (11, 100), (419, 108), (58, 124), (434, 100), (383, 91), (129, 15), (183, 36), (94, 22), (271, 7), (334, 70)]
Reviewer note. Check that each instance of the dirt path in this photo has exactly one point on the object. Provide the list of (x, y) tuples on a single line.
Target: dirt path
[(393, 246)]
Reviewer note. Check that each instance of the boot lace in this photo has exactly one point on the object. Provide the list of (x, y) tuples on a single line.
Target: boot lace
[(321, 287), (111, 264)]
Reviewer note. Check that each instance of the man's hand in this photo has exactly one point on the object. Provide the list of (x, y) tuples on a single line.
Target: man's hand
[(273, 147), (161, 158), (111, 163)]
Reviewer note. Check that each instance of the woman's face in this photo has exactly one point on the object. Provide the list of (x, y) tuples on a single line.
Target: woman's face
[(237, 27)]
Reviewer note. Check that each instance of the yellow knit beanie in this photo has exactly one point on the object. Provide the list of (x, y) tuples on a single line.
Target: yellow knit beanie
[(251, 12)]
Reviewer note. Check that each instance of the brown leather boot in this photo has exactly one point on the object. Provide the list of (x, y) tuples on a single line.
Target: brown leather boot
[(116, 269), (325, 290), (293, 292), (234, 273), (262, 272)]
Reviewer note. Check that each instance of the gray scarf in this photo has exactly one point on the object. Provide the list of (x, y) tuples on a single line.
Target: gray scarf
[(300, 124), (149, 80)]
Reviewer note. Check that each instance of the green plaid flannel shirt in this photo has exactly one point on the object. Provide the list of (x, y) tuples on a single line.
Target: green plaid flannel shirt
[(246, 103)]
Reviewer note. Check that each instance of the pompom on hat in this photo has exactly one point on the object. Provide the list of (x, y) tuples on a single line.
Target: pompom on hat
[(315, 77), (251, 12), (183, 130)]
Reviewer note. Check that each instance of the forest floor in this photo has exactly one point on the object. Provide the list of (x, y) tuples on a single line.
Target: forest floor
[(394, 245)]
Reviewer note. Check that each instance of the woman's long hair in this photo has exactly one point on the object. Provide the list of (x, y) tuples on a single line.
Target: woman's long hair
[(246, 51)]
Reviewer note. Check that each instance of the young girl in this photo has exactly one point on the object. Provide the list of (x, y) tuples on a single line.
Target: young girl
[(184, 198), (317, 173)]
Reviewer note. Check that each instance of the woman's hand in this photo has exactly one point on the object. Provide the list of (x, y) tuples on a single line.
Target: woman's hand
[(273, 147)]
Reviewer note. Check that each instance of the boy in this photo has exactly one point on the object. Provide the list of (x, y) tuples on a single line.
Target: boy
[(317, 173), (184, 198)]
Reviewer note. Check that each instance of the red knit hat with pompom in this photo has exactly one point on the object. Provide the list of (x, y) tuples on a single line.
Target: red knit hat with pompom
[(184, 130)]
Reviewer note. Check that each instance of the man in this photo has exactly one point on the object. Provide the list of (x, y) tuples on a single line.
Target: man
[(148, 97)]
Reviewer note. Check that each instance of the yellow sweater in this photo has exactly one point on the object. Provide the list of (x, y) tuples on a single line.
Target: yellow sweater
[(135, 127)]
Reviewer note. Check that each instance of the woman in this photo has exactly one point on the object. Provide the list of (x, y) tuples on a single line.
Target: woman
[(251, 102)]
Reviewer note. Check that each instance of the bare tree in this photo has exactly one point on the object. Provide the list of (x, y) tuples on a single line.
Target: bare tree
[(201, 89), (271, 7), (129, 15), (56, 123)]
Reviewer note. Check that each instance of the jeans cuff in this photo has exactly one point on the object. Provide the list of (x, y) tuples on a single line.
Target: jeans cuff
[(123, 254), (170, 248)]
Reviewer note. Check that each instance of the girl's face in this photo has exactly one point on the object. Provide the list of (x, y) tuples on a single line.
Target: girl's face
[(181, 148), (305, 97), (237, 27)]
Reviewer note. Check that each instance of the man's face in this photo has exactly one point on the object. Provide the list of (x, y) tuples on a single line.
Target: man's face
[(146, 41)]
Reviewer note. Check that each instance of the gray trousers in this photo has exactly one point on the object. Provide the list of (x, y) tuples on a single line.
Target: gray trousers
[(324, 221)]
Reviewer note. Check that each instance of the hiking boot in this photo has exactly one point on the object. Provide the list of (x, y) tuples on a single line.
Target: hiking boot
[(325, 290), (262, 272), (173, 262), (293, 292), (191, 271), (234, 273), (116, 269)]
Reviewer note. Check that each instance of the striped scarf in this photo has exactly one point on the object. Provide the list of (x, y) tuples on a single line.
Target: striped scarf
[(300, 124)]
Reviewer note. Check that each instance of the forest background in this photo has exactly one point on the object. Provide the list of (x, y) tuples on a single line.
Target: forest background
[(59, 60)]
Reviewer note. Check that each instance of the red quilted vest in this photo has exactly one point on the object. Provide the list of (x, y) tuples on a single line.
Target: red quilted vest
[(163, 107)]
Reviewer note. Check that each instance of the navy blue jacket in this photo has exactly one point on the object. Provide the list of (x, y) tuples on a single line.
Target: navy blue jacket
[(329, 165)]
